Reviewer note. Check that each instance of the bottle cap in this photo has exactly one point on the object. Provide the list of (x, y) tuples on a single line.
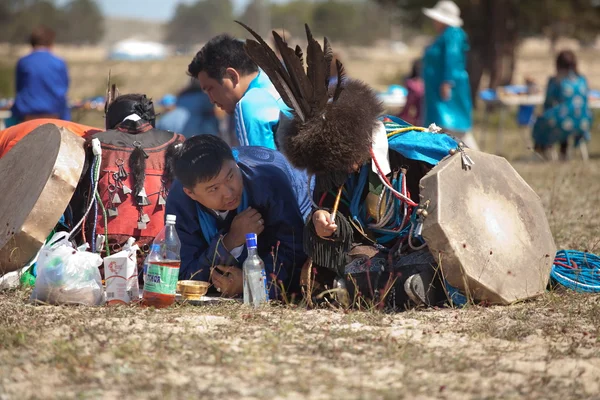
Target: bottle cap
[(171, 219), (251, 240)]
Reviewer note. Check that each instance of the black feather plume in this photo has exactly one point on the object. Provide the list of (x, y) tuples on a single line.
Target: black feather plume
[(328, 59), (341, 76), (301, 86), (299, 54), (267, 60), (316, 66)]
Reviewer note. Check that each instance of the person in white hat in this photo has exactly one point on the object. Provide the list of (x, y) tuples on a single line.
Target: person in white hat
[(448, 101)]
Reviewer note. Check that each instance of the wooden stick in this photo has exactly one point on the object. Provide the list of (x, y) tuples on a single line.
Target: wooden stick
[(336, 204)]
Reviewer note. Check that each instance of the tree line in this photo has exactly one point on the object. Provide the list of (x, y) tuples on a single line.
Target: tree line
[(350, 22), (77, 22)]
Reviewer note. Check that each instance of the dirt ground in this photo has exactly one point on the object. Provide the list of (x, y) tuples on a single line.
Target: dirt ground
[(546, 348)]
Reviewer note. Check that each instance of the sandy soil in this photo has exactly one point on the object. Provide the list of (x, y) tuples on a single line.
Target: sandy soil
[(546, 348)]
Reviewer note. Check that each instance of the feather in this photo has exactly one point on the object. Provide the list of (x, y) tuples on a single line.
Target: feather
[(299, 54), (257, 54), (267, 60), (328, 59), (302, 87), (316, 65), (341, 76)]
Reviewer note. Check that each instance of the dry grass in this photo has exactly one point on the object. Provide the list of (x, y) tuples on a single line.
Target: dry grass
[(546, 348)]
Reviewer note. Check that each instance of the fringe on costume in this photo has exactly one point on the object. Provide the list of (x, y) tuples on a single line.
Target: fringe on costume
[(331, 253)]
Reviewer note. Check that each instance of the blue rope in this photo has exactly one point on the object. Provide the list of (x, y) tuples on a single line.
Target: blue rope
[(584, 277)]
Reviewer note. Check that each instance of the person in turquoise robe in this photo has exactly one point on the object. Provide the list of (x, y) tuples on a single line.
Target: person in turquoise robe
[(566, 112), (448, 101)]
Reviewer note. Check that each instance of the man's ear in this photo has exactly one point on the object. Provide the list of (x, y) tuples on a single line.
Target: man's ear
[(189, 193), (233, 75)]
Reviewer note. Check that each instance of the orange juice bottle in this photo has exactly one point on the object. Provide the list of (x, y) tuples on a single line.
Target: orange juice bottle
[(163, 267)]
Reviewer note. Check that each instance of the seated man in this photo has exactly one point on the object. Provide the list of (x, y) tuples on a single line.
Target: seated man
[(234, 83), (220, 195)]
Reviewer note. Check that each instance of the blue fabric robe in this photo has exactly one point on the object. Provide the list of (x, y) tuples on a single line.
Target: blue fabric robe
[(42, 83), (257, 113), (278, 192), (445, 62), (566, 112)]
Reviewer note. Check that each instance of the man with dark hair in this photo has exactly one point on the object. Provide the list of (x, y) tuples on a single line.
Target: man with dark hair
[(234, 83), (220, 195), (42, 81)]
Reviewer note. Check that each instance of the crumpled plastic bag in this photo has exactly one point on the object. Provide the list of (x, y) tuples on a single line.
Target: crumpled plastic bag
[(67, 275)]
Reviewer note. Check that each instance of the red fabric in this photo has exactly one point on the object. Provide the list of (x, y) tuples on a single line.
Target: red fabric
[(125, 224), (11, 136)]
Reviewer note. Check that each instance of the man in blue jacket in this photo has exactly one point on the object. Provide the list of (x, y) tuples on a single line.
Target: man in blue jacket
[(221, 195), (234, 83), (42, 81)]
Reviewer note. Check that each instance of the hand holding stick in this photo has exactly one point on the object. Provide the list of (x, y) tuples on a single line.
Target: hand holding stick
[(336, 204)]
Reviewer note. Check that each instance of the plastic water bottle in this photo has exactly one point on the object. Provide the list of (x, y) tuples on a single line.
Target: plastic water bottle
[(163, 264), (255, 278)]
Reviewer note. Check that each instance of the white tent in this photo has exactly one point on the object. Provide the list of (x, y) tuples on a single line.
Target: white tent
[(133, 49)]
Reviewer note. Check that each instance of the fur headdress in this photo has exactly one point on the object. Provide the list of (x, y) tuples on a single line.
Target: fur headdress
[(331, 129)]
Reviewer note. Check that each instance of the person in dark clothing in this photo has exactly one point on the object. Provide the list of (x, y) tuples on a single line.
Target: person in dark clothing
[(220, 195)]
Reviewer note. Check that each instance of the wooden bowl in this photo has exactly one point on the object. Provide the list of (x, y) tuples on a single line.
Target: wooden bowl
[(192, 290)]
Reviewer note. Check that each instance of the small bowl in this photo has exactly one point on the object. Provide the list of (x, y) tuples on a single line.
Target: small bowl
[(192, 290)]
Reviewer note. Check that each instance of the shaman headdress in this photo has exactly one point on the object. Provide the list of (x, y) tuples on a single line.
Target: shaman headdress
[(117, 107), (331, 129)]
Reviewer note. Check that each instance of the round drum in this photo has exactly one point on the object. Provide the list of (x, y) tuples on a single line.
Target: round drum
[(39, 176), (487, 228)]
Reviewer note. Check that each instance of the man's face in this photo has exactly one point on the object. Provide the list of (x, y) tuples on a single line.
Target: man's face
[(223, 192), (223, 95)]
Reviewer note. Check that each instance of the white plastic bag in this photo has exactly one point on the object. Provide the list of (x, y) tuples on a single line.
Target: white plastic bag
[(67, 275)]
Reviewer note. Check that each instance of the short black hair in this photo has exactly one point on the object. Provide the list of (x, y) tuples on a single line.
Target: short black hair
[(566, 61), (200, 159), (42, 36), (416, 69), (222, 52), (127, 104)]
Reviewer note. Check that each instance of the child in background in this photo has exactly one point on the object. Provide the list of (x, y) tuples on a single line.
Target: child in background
[(566, 111), (412, 111)]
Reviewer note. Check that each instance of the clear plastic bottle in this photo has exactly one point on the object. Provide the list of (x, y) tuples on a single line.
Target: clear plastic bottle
[(163, 264), (255, 278)]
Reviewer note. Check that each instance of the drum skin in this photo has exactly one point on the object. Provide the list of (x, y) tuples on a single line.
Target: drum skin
[(487, 228), (39, 176)]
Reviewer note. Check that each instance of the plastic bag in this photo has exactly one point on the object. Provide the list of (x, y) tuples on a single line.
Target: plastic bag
[(67, 275)]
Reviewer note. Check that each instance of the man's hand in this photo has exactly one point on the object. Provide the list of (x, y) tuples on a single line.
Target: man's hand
[(446, 91), (248, 221), (324, 226), (229, 281)]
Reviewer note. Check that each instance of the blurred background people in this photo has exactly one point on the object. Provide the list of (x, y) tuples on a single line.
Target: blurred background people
[(189, 113), (412, 111), (448, 101), (566, 112), (42, 81)]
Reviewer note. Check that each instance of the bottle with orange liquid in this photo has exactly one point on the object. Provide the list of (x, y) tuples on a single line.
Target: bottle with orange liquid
[(163, 262)]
